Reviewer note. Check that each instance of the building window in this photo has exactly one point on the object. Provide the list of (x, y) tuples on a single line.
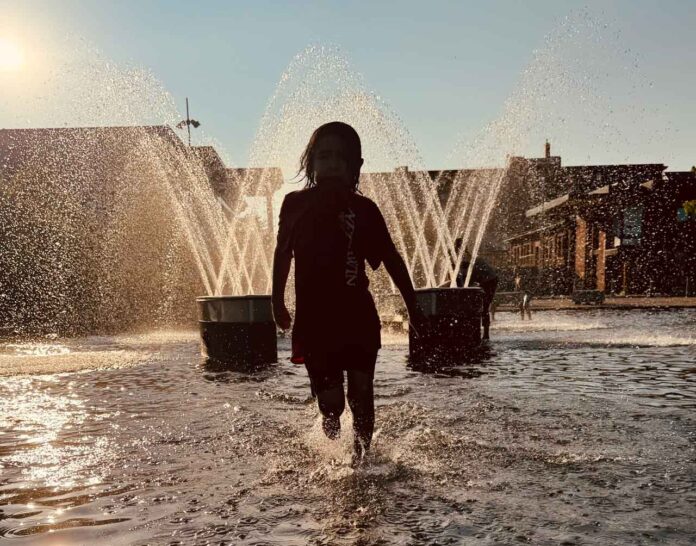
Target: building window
[(632, 225)]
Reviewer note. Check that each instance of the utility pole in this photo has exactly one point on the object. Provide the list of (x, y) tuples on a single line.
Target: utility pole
[(187, 123)]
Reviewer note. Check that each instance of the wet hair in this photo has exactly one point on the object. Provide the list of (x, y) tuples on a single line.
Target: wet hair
[(352, 150)]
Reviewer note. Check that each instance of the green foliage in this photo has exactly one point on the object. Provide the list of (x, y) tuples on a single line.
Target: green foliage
[(690, 208)]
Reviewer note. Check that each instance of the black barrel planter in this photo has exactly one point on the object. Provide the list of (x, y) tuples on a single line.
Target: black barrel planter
[(452, 327), (237, 331)]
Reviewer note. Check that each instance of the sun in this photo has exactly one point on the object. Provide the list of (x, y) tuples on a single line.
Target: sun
[(11, 57)]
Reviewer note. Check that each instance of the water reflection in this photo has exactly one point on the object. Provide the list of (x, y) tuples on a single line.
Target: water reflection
[(51, 460), (36, 349), (212, 365), (237, 372), (467, 365)]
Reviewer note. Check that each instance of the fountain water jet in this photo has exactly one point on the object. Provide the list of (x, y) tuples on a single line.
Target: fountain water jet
[(229, 250), (129, 226)]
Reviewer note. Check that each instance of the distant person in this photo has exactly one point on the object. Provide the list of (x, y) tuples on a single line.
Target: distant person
[(331, 231), (525, 297), (484, 276)]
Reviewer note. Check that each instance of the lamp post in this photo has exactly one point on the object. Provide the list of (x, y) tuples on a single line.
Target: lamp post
[(187, 123)]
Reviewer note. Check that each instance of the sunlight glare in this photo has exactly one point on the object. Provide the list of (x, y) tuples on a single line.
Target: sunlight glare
[(11, 57)]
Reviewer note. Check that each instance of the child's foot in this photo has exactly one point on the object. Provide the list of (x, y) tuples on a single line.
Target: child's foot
[(355, 461), (332, 427), (357, 458)]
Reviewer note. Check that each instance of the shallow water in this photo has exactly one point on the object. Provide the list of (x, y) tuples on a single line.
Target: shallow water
[(575, 428)]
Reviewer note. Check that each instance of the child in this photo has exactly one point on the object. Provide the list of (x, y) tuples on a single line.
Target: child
[(331, 230)]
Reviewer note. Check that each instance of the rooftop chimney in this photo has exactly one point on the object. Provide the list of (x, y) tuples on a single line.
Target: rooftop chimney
[(547, 149)]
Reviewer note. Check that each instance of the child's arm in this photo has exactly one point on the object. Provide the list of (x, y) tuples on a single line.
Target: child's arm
[(382, 250), (398, 271), (281, 270)]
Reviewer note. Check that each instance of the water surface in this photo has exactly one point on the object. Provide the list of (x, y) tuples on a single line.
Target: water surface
[(575, 428)]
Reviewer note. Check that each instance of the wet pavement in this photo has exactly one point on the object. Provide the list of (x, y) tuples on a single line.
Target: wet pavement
[(574, 428)]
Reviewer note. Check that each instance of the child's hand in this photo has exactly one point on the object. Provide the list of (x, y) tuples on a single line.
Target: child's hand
[(417, 319), (281, 316)]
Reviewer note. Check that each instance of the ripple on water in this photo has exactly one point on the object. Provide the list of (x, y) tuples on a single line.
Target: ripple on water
[(584, 430)]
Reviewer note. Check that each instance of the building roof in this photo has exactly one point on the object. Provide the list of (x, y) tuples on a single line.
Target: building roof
[(681, 177), (599, 180), (533, 232), (209, 157), (586, 178), (603, 190), (17, 146), (547, 205), (78, 149)]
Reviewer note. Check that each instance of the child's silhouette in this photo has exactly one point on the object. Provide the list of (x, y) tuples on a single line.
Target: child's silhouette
[(331, 230)]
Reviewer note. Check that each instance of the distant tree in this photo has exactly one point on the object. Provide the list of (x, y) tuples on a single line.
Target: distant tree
[(690, 208)]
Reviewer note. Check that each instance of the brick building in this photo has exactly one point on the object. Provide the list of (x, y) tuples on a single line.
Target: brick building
[(619, 229), (622, 229)]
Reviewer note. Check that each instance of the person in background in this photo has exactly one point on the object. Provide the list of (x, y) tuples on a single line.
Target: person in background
[(526, 297), (484, 276), (331, 230)]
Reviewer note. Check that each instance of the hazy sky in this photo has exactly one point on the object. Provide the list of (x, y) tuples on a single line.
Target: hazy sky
[(444, 68)]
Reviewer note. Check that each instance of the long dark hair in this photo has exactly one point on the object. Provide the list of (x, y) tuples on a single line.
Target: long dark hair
[(352, 146)]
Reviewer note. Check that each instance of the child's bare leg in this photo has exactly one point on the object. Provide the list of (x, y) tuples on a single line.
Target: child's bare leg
[(362, 404)]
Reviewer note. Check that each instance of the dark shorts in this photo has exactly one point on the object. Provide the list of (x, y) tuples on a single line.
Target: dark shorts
[(326, 369)]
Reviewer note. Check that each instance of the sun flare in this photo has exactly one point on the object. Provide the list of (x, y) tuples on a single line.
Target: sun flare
[(11, 57)]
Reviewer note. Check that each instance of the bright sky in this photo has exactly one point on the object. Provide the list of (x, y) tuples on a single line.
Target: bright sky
[(445, 68)]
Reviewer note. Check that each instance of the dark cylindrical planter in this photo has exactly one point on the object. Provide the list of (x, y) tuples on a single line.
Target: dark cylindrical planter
[(453, 324), (238, 331)]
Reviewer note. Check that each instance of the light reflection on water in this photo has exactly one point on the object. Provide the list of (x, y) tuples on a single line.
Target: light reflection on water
[(575, 427), (37, 349)]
